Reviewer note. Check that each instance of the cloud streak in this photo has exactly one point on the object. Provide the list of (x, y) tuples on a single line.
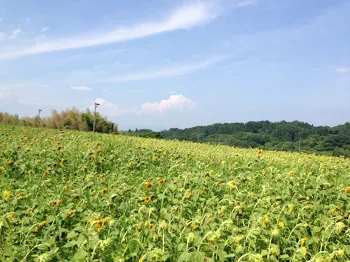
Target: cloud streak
[(178, 103), (343, 70), (183, 17), (163, 72), (82, 88)]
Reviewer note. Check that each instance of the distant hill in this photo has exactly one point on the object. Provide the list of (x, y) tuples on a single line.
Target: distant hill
[(286, 136)]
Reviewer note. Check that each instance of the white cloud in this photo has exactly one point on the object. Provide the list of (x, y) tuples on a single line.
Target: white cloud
[(82, 88), (3, 36), (184, 17), (110, 109), (163, 72), (245, 3), (15, 33), (343, 70), (173, 103), (44, 29)]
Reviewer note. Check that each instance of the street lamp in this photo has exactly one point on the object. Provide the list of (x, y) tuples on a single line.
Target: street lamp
[(39, 117), (94, 126)]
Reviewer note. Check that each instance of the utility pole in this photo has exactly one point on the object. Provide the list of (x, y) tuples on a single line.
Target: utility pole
[(94, 126), (38, 122)]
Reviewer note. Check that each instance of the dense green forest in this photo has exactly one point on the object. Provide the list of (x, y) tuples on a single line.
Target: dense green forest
[(285, 136), (72, 119)]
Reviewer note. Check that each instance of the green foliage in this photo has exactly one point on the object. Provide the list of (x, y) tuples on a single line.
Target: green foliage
[(152, 135), (70, 119), (122, 198), (286, 136)]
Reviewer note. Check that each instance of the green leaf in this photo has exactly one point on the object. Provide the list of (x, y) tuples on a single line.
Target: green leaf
[(71, 244), (285, 256), (264, 252), (79, 256), (185, 256), (239, 249)]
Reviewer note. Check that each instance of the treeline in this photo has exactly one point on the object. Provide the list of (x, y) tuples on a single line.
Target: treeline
[(72, 119), (146, 133), (285, 136)]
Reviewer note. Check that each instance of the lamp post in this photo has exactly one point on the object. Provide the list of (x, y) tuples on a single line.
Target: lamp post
[(94, 126), (39, 117)]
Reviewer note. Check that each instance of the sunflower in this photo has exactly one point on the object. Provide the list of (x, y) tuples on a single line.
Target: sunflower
[(103, 191), (27, 149), (40, 226), (148, 199), (148, 185), (55, 203), (6, 195), (162, 181), (112, 186), (58, 148), (139, 228), (155, 158), (281, 224), (31, 172), (194, 226), (74, 197), (46, 173), (347, 190), (340, 253), (70, 213), (188, 195), (9, 162), (150, 226)]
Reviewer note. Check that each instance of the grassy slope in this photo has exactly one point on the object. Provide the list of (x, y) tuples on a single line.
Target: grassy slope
[(90, 200)]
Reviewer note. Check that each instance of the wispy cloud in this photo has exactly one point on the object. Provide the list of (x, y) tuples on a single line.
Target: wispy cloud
[(163, 72), (178, 103), (44, 29), (3, 36), (82, 88), (173, 103), (15, 33), (245, 3), (110, 109), (184, 17), (343, 70)]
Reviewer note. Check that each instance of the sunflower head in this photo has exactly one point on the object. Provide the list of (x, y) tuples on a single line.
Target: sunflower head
[(55, 203), (6, 195), (148, 199), (347, 190), (148, 185), (31, 172), (162, 181)]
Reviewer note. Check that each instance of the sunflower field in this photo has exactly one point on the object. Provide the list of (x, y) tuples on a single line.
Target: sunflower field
[(64, 197)]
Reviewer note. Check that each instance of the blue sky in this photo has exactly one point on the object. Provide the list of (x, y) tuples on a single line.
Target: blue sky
[(160, 64)]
